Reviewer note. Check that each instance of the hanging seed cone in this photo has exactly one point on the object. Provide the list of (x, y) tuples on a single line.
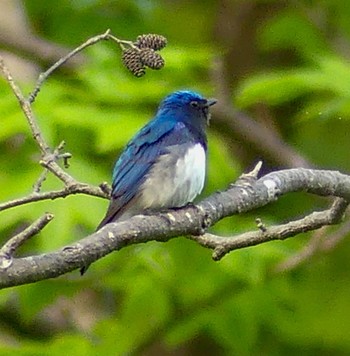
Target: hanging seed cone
[(151, 59), (132, 61), (154, 41)]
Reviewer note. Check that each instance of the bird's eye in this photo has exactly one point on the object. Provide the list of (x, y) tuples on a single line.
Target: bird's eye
[(194, 104)]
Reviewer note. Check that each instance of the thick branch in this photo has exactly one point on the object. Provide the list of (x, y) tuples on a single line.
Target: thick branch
[(190, 220)]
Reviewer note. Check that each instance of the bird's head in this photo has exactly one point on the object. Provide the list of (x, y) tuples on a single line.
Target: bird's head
[(187, 106)]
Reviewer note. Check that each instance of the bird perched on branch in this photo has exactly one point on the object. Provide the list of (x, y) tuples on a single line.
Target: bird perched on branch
[(164, 164)]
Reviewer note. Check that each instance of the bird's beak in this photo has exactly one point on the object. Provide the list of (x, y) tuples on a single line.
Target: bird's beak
[(211, 102)]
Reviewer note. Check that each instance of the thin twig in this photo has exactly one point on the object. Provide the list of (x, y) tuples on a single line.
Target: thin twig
[(49, 158), (7, 251), (49, 161), (26, 108), (247, 178), (79, 188), (91, 41), (122, 43), (37, 185), (43, 76), (16, 241)]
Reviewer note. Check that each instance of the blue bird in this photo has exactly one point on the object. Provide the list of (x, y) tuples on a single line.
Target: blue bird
[(164, 164)]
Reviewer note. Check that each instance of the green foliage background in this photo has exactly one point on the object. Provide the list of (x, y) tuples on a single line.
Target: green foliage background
[(172, 298)]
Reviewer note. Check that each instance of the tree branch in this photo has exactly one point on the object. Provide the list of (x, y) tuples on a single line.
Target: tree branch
[(313, 221), (247, 194), (43, 76), (7, 251), (78, 188)]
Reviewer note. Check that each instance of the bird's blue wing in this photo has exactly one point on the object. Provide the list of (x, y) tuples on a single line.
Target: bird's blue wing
[(137, 159)]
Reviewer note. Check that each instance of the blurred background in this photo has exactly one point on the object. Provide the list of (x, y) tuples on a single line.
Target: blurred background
[(281, 72)]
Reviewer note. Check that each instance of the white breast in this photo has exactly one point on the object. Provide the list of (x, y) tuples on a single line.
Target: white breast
[(175, 179)]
